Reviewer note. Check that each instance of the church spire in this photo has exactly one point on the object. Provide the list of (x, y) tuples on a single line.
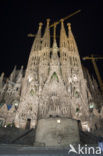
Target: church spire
[(46, 37), (36, 47), (63, 36), (71, 39), (37, 42), (55, 48), (74, 58)]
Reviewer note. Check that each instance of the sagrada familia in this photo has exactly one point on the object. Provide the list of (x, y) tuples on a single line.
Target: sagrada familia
[(54, 84)]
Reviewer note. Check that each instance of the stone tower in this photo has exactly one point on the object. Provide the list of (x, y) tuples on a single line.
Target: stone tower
[(28, 108), (44, 57), (54, 85)]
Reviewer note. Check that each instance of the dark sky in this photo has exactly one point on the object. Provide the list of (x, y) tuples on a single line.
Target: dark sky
[(20, 17)]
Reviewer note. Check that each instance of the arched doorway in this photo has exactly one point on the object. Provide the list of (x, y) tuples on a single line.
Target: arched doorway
[(28, 124)]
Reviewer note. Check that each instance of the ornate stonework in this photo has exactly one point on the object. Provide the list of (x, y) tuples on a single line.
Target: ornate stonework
[(54, 84)]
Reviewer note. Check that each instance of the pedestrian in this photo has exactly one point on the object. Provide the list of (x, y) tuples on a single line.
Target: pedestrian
[(100, 143)]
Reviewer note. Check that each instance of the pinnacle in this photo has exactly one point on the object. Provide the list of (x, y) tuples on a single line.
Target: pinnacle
[(46, 37), (40, 24), (63, 36), (62, 20), (69, 26), (36, 44), (48, 21)]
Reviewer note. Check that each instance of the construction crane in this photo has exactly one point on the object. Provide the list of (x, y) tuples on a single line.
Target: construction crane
[(56, 23), (93, 60)]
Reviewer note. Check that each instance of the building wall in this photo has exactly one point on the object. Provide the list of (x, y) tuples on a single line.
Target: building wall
[(57, 132)]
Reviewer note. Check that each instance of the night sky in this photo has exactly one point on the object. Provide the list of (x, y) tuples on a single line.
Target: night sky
[(20, 17)]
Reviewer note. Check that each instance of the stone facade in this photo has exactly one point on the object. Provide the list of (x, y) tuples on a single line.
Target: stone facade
[(54, 84), (10, 92)]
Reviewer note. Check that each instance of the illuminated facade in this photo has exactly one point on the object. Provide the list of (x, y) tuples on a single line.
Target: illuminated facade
[(54, 83)]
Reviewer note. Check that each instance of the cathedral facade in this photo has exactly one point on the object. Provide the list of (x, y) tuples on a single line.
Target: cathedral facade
[(54, 84)]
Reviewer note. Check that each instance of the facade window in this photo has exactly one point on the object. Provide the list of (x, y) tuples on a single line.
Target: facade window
[(77, 109), (17, 89), (70, 59)]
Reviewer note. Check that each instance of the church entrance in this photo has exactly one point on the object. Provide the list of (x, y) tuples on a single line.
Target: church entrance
[(28, 124)]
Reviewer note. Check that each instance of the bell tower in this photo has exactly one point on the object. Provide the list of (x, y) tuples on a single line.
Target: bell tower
[(28, 107), (44, 57), (64, 46)]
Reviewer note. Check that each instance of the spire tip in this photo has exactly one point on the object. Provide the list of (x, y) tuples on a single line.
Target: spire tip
[(62, 20), (48, 20), (69, 25), (40, 24)]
